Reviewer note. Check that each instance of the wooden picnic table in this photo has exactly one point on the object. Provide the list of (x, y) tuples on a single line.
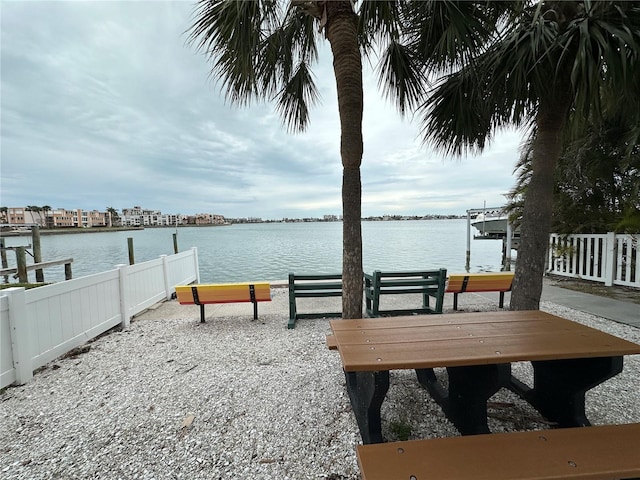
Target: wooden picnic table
[(477, 349)]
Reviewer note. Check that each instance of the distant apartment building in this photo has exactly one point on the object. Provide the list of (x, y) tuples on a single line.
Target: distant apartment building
[(78, 218), (20, 216), (139, 217), (56, 218), (206, 219)]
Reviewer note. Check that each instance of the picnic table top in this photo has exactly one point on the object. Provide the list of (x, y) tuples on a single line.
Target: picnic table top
[(465, 339)]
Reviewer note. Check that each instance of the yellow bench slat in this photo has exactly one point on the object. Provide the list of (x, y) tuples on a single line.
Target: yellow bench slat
[(479, 282), (223, 293)]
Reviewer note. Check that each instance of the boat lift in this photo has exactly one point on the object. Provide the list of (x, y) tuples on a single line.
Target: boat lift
[(507, 238)]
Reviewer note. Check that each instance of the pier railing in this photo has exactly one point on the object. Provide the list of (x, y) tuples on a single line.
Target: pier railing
[(41, 324), (611, 258)]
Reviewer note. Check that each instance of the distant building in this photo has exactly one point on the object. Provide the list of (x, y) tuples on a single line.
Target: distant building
[(56, 218), (62, 218), (78, 218), (206, 219), (22, 217), (139, 217)]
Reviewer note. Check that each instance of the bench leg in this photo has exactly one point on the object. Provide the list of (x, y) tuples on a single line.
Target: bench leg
[(465, 401), (255, 310), (202, 313), (560, 386), (501, 304), (366, 392), (455, 301)]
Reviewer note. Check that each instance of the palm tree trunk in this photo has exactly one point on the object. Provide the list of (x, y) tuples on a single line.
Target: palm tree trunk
[(538, 203), (341, 31)]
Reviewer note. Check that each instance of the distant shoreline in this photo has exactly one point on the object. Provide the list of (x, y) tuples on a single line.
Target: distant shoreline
[(72, 230), (65, 231)]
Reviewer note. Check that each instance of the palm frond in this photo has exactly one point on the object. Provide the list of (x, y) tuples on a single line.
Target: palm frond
[(379, 22), (401, 77), (229, 33), (602, 50), (260, 51), (295, 98), (447, 33)]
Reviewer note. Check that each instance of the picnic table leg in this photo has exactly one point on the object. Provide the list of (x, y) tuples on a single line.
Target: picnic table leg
[(559, 387), (366, 392), (465, 400)]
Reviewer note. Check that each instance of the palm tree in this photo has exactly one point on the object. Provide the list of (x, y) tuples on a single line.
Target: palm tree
[(265, 49), (555, 64), (47, 221), (114, 218)]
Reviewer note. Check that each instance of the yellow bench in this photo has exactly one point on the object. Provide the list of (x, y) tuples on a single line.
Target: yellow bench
[(224, 293), (605, 452), (479, 282)]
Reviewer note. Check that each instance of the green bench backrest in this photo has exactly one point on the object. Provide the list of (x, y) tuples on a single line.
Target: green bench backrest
[(429, 283)]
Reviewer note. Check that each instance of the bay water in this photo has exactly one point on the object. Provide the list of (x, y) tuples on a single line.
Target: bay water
[(269, 251)]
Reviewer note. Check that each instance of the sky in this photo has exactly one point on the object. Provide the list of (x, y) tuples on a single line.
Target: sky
[(105, 104)]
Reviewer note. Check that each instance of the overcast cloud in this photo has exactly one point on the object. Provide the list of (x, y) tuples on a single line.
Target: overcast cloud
[(105, 105)]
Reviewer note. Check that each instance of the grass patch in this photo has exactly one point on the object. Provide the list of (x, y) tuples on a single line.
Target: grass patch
[(401, 429)]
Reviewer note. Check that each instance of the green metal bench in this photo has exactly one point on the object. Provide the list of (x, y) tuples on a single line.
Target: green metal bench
[(312, 286), (428, 283)]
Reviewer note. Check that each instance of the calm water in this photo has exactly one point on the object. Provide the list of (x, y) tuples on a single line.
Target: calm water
[(269, 251)]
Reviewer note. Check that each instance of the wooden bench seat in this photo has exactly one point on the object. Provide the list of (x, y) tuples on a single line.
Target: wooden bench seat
[(458, 283), (428, 283), (224, 293), (604, 452), (312, 286)]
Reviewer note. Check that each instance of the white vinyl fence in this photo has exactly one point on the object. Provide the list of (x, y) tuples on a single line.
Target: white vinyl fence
[(41, 324), (609, 258)]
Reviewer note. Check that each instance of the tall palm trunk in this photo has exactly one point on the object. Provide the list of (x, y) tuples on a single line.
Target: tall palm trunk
[(538, 202), (347, 65)]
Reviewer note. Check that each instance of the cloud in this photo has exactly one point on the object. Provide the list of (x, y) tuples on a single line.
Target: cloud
[(105, 104)]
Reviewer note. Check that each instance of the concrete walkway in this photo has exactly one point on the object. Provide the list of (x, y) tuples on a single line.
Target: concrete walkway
[(609, 308), (616, 310)]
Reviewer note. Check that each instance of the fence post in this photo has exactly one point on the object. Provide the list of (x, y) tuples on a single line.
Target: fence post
[(67, 271), (21, 264), (610, 259), (130, 248), (37, 252), (195, 260), (165, 276), (3, 258), (19, 328), (124, 304)]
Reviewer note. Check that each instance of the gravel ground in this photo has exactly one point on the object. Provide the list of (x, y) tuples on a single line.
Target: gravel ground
[(234, 398)]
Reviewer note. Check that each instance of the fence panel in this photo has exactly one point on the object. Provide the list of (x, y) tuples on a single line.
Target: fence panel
[(627, 261), (62, 316), (67, 314), (7, 372), (609, 258), (145, 285), (181, 269)]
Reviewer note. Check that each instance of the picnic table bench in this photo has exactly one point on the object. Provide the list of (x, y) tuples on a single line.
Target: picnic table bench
[(603, 452), (213, 293), (458, 283), (312, 286), (428, 283)]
